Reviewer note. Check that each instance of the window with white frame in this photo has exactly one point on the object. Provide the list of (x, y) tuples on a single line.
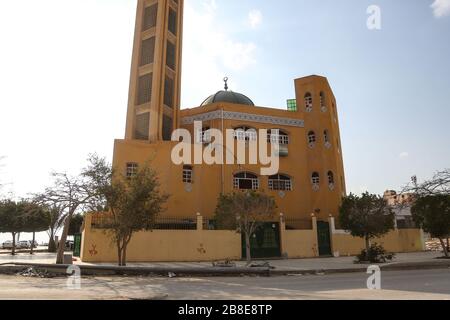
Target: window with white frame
[(245, 134), (246, 181), (315, 178), (131, 169), (308, 102), (280, 182), (204, 136), (188, 174), (275, 135)]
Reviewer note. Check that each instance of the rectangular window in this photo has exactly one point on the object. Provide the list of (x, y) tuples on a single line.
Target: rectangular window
[(173, 21), (144, 93), (187, 174), (292, 105), (168, 92), (283, 185), (147, 51), (150, 16), (167, 128), (132, 169), (170, 55), (142, 126)]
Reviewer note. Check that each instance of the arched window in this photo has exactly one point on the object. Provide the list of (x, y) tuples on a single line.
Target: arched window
[(275, 135), (327, 139), (326, 136), (246, 181), (330, 177), (315, 178), (188, 174), (323, 104), (280, 182), (245, 134), (311, 139), (308, 102)]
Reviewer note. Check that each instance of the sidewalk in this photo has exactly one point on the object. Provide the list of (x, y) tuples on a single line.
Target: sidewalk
[(419, 260)]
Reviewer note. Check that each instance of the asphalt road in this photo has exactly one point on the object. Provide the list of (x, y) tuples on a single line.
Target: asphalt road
[(403, 285)]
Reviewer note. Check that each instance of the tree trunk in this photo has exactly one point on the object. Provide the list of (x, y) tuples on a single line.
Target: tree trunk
[(448, 244), (444, 247), (32, 243), (248, 249), (124, 255), (367, 247), (13, 249), (52, 244), (62, 242), (119, 253)]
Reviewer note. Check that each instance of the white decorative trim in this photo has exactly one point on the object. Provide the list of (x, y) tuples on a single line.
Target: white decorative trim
[(246, 117), (324, 109), (316, 187), (309, 109), (327, 145), (331, 186)]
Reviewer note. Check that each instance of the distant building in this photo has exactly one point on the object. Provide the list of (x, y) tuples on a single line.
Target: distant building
[(401, 205)]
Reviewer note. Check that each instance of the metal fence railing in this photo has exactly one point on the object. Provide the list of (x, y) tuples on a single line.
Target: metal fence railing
[(298, 224), (161, 223)]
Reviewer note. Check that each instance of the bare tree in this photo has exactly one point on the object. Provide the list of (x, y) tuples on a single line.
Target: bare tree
[(57, 217), (438, 185), (73, 193)]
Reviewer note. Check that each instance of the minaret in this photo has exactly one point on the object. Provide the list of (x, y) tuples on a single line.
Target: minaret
[(154, 97)]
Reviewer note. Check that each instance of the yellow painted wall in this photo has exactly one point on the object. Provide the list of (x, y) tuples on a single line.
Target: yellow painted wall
[(300, 244), (404, 240), (162, 245)]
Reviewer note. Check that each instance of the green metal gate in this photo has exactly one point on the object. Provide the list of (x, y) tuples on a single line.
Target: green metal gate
[(265, 243), (323, 237), (77, 245)]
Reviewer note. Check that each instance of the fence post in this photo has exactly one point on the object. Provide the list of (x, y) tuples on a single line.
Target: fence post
[(331, 221), (284, 253), (199, 222), (316, 236), (86, 232)]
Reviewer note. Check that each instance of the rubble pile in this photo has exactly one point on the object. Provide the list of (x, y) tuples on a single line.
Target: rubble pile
[(35, 273), (433, 245)]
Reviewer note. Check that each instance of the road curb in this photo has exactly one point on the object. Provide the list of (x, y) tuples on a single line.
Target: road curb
[(389, 267), (144, 271), (90, 270)]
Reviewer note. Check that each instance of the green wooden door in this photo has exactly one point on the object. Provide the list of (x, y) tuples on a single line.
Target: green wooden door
[(265, 243), (323, 236)]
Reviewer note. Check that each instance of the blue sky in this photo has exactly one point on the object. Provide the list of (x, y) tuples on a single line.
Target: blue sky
[(64, 90)]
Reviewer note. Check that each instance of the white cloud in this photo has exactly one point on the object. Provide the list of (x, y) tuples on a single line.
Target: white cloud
[(404, 155), (441, 8), (210, 54), (255, 18)]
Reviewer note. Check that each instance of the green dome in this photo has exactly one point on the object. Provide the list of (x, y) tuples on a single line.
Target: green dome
[(228, 96)]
